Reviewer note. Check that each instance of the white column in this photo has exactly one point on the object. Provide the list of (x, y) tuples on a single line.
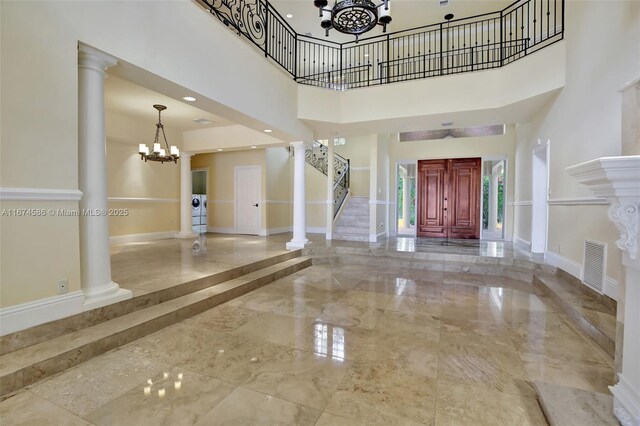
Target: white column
[(406, 198), (186, 221), (493, 202), (299, 200), (616, 179), (95, 260), (330, 195)]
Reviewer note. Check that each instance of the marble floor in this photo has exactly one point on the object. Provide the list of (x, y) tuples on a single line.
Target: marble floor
[(155, 265), (335, 345)]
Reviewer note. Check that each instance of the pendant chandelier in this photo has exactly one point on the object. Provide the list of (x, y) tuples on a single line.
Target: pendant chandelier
[(159, 153), (354, 17)]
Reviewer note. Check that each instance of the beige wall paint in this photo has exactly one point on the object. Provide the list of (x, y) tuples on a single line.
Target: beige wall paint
[(130, 177), (279, 189), (487, 147), (356, 150), (583, 123), (220, 185)]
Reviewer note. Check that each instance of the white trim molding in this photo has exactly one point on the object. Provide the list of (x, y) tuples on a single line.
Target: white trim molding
[(583, 201), (221, 230), (522, 243), (520, 203), (144, 200), (39, 194), (25, 315), (136, 238), (272, 231)]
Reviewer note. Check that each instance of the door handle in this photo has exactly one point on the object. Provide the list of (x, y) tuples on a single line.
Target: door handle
[(255, 205), (445, 209)]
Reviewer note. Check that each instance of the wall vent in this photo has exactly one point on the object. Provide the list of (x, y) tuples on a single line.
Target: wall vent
[(443, 2), (595, 265)]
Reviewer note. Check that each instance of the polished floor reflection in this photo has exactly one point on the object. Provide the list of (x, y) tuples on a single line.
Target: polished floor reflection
[(335, 345)]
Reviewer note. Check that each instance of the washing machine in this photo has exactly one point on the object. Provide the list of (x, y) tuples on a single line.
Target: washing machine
[(196, 206)]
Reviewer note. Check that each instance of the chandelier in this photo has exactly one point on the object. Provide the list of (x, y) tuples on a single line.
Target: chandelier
[(354, 16), (159, 153)]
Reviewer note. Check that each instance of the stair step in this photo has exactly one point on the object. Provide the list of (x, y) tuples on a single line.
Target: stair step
[(564, 406), (353, 222), (587, 313), (358, 201), (31, 336), (351, 237), (352, 229), (28, 365)]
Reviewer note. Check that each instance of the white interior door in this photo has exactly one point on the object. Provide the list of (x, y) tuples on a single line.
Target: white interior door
[(248, 184)]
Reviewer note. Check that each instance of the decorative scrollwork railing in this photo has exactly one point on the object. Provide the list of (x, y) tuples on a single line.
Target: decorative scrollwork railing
[(317, 155), (489, 40)]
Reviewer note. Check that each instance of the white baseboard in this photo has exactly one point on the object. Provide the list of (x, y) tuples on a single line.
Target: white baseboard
[(373, 238), (522, 243), (271, 231), (136, 238), (316, 229), (574, 268), (25, 315)]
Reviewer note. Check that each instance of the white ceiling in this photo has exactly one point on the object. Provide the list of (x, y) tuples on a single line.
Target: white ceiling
[(405, 13), (126, 98)]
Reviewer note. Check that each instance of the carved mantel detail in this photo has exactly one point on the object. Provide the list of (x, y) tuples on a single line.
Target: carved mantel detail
[(625, 217)]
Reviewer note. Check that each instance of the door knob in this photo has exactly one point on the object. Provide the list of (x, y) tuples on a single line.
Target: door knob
[(255, 205)]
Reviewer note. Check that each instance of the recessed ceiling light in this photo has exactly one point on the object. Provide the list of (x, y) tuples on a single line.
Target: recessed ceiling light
[(447, 124), (202, 121), (366, 55), (253, 147), (189, 98), (220, 149), (268, 130), (289, 16)]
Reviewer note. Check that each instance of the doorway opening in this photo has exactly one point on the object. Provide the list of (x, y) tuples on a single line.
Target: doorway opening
[(539, 196), (199, 201), (406, 199), (493, 199)]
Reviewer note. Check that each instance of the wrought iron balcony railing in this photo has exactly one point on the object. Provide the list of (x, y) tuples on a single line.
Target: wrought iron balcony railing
[(480, 42)]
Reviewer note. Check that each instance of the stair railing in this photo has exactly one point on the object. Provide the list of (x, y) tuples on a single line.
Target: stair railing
[(317, 155)]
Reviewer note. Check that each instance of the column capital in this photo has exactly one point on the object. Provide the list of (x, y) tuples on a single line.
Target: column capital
[(297, 144), (185, 154), (90, 57)]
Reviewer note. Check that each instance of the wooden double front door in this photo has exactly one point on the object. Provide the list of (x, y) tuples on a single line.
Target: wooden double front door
[(449, 198)]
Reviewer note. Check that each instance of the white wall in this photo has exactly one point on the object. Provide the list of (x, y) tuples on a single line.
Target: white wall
[(582, 123)]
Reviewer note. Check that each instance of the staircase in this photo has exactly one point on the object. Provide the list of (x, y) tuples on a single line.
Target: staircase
[(316, 156), (353, 224)]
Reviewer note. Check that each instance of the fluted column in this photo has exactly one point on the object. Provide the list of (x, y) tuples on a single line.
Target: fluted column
[(186, 221), (299, 199), (616, 179), (95, 261)]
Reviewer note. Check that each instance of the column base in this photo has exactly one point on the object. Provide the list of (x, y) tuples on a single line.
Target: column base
[(187, 235), (296, 245), (112, 293), (626, 403)]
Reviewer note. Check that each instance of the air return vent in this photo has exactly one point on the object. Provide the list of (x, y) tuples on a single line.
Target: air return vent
[(595, 256)]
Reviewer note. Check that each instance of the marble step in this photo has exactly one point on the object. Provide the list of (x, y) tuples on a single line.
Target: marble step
[(587, 312), (500, 271), (353, 221), (358, 201), (31, 336), (28, 365), (564, 406), (351, 237), (356, 230)]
